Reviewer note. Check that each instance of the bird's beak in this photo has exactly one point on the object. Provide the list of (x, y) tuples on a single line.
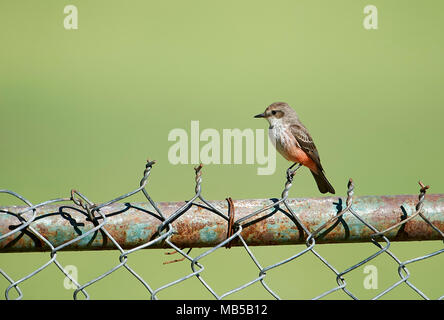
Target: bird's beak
[(261, 115)]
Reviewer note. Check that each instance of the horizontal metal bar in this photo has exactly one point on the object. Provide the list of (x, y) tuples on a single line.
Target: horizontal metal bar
[(133, 224)]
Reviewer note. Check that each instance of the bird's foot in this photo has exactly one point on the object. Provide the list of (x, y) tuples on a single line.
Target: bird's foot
[(290, 173)]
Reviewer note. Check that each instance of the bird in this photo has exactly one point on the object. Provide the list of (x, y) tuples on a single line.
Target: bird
[(293, 141)]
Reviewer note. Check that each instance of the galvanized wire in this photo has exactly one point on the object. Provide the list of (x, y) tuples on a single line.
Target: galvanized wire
[(234, 226)]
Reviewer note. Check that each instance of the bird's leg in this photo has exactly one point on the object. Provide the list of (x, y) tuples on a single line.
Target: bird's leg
[(290, 172)]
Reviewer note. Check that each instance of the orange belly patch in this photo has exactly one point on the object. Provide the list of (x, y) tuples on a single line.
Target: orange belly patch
[(296, 154)]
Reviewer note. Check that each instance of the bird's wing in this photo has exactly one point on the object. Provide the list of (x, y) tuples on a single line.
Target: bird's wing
[(306, 143)]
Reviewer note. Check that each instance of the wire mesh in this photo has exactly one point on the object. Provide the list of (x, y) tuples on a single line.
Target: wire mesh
[(235, 227)]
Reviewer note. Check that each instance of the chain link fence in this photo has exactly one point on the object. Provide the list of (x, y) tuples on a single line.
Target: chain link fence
[(24, 219)]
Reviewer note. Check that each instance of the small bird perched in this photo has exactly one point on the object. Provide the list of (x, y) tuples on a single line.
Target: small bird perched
[(293, 141)]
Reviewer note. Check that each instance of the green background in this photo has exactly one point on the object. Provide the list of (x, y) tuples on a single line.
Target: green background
[(85, 108)]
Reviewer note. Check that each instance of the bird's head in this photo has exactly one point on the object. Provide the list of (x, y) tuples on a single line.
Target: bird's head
[(277, 112)]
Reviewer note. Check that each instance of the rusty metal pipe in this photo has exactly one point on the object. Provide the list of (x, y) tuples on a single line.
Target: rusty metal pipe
[(133, 224)]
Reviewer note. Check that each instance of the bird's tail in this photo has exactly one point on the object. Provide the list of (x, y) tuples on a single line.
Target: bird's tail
[(322, 182)]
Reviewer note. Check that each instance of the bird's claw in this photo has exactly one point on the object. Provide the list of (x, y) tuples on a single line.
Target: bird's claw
[(290, 173)]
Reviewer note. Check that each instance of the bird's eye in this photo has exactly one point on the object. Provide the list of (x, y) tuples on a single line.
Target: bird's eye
[(273, 112)]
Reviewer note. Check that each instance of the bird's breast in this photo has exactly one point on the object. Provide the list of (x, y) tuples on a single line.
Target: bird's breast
[(287, 145), (282, 139)]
